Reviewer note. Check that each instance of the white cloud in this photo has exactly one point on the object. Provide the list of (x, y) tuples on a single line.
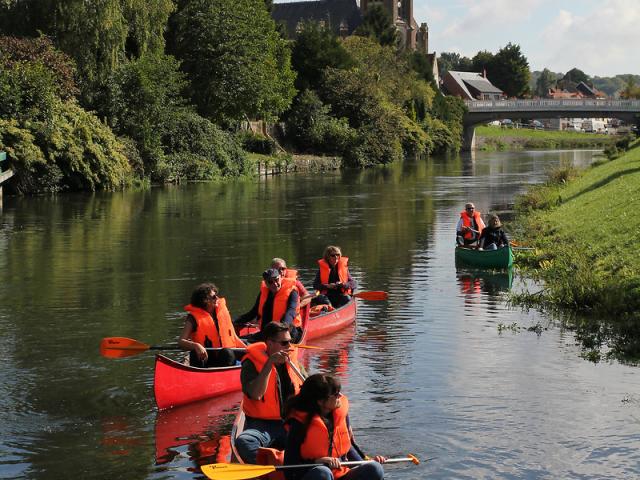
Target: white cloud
[(602, 42)]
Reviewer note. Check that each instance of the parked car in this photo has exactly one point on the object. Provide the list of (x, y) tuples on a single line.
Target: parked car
[(507, 123), (536, 124)]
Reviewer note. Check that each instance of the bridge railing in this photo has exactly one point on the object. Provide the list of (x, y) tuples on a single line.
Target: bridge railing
[(548, 104)]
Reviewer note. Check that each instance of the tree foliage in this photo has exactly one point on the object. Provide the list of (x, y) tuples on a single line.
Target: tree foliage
[(545, 81), (454, 62), (378, 25), (315, 49), (576, 75), (237, 63), (510, 71)]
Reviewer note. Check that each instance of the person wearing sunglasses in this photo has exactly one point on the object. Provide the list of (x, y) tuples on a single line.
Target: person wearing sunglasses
[(319, 431), (277, 301), (208, 325), (280, 265), (333, 279), (268, 377), (469, 227)]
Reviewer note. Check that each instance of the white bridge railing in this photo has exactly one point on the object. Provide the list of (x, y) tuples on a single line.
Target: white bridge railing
[(546, 104)]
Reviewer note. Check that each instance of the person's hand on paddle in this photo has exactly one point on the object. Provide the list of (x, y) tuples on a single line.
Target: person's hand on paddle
[(280, 357), (379, 459), (331, 462)]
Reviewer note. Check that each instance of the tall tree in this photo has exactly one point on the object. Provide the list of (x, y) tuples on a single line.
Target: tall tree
[(315, 49), (546, 80), (631, 89), (237, 62), (378, 24), (510, 71)]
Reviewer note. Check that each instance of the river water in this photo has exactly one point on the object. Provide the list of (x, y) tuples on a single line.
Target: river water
[(442, 369)]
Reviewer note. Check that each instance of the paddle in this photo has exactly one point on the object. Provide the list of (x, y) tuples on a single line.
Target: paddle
[(237, 471), (120, 347), (373, 295)]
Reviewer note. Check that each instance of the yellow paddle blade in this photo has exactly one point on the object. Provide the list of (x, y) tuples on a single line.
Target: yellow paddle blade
[(235, 471)]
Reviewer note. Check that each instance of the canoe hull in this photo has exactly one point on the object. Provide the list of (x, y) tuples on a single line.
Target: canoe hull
[(500, 258), (176, 384)]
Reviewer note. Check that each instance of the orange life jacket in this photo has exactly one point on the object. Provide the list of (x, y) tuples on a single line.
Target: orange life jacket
[(343, 273), (316, 442), (293, 274), (206, 327), (279, 302), (466, 221), (268, 407)]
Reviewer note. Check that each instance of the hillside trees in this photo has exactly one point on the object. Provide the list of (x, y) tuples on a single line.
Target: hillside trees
[(546, 80), (237, 63)]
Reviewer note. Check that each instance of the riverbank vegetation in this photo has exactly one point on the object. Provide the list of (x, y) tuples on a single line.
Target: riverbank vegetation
[(584, 228), (498, 138), (102, 95)]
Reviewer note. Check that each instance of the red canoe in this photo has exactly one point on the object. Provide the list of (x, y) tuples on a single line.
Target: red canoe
[(177, 384)]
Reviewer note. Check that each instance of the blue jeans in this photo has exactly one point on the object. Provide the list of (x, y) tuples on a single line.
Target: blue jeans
[(366, 471), (259, 433)]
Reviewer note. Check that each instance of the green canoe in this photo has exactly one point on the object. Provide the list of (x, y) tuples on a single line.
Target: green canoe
[(501, 258)]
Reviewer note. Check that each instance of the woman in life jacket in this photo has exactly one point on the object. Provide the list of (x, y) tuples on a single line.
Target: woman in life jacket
[(319, 432), (209, 325), (333, 279)]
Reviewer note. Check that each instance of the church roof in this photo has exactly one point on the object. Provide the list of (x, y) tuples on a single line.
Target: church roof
[(332, 12)]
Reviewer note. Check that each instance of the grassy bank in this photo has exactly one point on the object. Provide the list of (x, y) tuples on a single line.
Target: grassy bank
[(585, 227), (497, 138)]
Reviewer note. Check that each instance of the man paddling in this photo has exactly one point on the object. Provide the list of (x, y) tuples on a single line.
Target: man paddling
[(278, 301), (209, 325), (268, 378), (280, 265)]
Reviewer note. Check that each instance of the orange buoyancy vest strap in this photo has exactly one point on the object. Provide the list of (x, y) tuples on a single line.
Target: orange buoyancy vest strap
[(316, 441), (223, 336), (268, 407), (280, 302), (343, 272), (466, 221), (293, 274)]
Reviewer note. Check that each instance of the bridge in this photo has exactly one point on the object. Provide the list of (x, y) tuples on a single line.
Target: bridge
[(485, 111)]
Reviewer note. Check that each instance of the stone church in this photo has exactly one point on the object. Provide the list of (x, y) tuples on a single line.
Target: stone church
[(344, 16)]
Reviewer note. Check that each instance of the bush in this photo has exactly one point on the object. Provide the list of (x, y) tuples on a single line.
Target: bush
[(75, 151), (196, 141), (256, 142), (310, 127)]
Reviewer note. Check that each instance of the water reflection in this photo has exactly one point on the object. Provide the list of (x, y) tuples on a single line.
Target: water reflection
[(427, 371)]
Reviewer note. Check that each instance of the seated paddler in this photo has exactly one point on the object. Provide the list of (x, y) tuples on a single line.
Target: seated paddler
[(277, 301), (270, 375), (208, 326), (333, 280), (319, 431), (280, 265)]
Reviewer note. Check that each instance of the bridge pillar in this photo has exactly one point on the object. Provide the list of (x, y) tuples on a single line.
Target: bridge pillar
[(468, 137)]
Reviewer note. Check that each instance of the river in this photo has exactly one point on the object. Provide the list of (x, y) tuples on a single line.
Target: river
[(442, 369)]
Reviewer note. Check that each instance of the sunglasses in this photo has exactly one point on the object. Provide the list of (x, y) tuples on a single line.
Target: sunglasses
[(337, 394), (335, 255)]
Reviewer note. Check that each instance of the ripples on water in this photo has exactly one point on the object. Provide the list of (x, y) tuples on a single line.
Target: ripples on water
[(442, 369)]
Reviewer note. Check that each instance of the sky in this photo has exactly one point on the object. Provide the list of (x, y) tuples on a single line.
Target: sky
[(601, 38)]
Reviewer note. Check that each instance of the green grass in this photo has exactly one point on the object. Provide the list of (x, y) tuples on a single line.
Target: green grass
[(586, 228), (497, 138)]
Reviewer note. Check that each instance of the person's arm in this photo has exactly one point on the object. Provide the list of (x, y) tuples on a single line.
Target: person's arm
[(301, 290), (317, 285), (292, 306), (504, 237), (185, 342), (459, 227), (256, 388), (351, 283), (250, 315)]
